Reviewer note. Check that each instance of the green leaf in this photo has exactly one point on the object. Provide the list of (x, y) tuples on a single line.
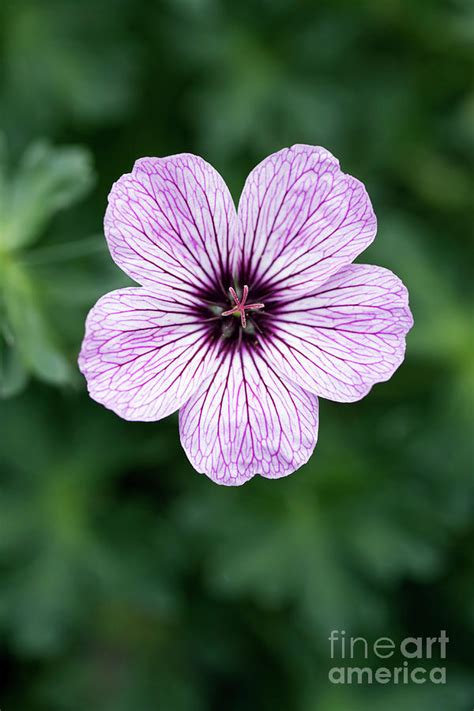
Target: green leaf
[(30, 333), (13, 375), (48, 180)]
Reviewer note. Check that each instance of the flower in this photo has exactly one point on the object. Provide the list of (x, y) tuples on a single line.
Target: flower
[(242, 318)]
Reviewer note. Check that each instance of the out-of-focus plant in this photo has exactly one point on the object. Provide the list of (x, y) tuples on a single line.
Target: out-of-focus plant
[(46, 180), (87, 68)]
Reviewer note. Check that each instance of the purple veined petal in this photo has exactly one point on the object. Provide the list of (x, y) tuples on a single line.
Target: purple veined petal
[(246, 420), (345, 337), (172, 222), (302, 219), (144, 356)]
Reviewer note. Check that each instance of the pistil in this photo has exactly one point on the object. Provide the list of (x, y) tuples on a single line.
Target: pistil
[(241, 306)]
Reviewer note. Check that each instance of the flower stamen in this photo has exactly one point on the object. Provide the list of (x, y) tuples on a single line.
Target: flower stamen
[(241, 306)]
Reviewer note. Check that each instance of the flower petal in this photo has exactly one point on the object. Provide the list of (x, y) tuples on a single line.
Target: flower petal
[(345, 337), (142, 355), (302, 219), (248, 421), (171, 221)]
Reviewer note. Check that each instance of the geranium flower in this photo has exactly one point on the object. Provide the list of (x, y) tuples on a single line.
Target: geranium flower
[(242, 318)]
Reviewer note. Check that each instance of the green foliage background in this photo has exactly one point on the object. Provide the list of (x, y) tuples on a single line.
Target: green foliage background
[(127, 581)]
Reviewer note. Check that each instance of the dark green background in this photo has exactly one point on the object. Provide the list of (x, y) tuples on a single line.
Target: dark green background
[(127, 581)]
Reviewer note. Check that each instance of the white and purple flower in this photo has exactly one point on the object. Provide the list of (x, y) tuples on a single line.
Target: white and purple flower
[(243, 318)]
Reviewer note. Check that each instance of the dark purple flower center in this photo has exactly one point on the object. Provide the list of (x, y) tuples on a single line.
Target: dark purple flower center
[(235, 316)]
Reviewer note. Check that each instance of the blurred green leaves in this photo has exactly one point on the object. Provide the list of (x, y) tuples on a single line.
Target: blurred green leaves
[(28, 333), (64, 60), (128, 581), (46, 181)]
